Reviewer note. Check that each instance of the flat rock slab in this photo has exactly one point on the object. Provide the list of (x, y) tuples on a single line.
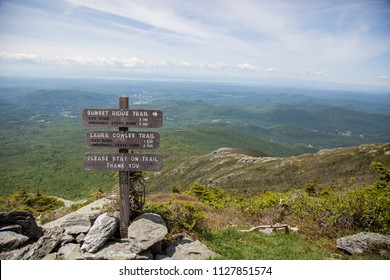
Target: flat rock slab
[(145, 231), (79, 223), (17, 254), (365, 243), (92, 211), (10, 240), (119, 250), (188, 249)]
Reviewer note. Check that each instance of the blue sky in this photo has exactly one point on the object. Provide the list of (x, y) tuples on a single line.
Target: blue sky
[(292, 40)]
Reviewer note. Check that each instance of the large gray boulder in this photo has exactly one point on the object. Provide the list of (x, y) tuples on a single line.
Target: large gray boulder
[(188, 249), (145, 231), (21, 222), (101, 231), (365, 243)]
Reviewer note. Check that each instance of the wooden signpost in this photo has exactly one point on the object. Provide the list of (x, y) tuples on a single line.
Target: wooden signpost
[(124, 162)]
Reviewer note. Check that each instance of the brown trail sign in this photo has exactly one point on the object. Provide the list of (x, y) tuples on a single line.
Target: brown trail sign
[(122, 117), (124, 140), (122, 162)]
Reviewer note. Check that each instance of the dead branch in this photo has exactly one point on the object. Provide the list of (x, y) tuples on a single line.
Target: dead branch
[(286, 227)]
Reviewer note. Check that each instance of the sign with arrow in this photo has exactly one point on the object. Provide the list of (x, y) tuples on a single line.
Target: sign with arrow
[(122, 117)]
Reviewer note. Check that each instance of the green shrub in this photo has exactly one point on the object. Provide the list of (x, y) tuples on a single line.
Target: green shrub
[(382, 170), (41, 203), (213, 196), (180, 213), (369, 207), (176, 189), (341, 212), (33, 202), (257, 204)]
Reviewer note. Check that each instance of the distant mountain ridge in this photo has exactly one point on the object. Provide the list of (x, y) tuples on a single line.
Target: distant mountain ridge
[(236, 171)]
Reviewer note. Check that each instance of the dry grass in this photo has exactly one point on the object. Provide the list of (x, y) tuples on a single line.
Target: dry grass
[(226, 217), (161, 197)]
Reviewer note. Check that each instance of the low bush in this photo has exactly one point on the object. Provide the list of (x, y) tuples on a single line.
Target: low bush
[(33, 202), (213, 196), (182, 213), (341, 212)]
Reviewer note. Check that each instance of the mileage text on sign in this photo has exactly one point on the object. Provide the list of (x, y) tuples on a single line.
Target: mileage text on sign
[(122, 139), (122, 117)]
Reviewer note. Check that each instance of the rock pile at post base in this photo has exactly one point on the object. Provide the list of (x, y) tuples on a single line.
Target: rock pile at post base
[(92, 234)]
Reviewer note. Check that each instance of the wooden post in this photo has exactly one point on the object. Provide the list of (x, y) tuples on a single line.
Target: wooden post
[(124, 210)]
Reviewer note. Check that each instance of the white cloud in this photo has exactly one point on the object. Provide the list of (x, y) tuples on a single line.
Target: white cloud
[(75, 61), (136, 63), (19, 57), (126, 63), (247, 66), (254, 68), (383, 77), (154, 13), (309, 72)]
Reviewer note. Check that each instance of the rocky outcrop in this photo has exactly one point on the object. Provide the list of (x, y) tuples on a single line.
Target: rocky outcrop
[(89, 234), (365, 243), (227, 167)]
